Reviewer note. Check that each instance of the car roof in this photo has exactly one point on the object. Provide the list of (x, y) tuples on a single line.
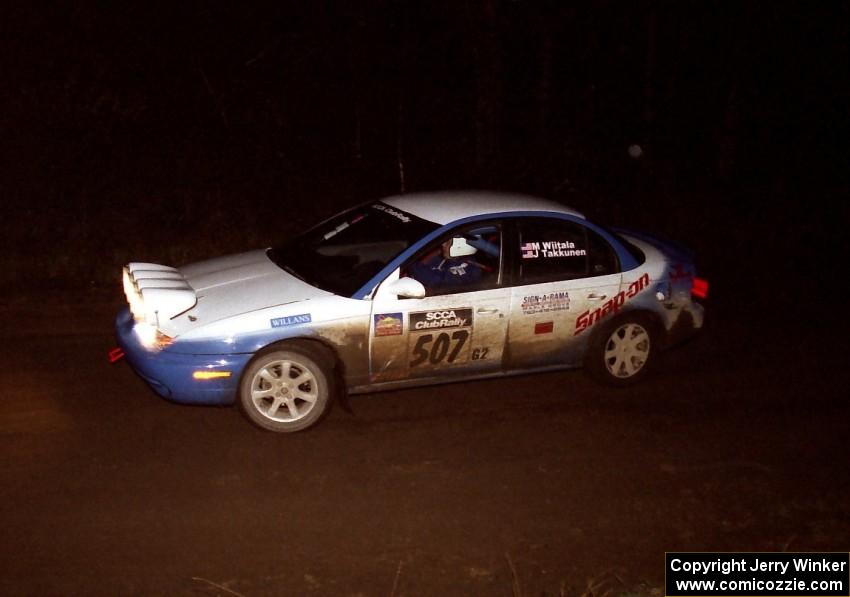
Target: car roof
[(449, 206)]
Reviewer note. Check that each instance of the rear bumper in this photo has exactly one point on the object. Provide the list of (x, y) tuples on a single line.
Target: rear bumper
[(689, 322), (169, 374)]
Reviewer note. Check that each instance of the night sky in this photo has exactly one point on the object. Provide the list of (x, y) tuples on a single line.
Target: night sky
[(171, 132)]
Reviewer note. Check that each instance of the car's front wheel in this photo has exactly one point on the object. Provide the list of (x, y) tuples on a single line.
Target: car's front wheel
[(285, 390), (623, 351)]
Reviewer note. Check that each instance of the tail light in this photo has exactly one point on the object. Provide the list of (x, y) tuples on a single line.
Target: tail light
[(699, 288)]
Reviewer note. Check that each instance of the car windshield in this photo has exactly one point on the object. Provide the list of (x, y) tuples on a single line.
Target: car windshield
[(341, 254)]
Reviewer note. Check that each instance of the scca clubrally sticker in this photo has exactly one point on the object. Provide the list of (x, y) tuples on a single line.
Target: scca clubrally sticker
[(442, 319), (442, 338)]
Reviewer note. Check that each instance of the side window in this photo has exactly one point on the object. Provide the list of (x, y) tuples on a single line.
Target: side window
[(602, 258), (561, 250), (467, 259)]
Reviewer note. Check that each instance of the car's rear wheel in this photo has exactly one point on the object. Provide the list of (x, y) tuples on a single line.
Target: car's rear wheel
[(285, 390), (623, 351)]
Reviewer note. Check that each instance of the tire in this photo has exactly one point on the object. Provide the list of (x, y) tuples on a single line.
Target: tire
[(286, 389), (623, 351)]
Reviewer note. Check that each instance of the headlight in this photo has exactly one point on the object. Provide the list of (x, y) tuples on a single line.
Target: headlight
[(134, 297), (155, 293), (128, 284), (150, 337)]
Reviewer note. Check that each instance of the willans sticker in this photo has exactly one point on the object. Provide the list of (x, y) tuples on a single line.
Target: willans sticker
[(549, 249), (282, 322)]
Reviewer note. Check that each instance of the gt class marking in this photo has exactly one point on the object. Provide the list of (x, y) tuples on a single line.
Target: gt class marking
[(479, 354), (282, 322), (449, 318), (444, 348), (588, 318)]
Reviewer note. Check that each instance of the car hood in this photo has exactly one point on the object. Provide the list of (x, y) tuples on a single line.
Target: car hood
[(237, 284)]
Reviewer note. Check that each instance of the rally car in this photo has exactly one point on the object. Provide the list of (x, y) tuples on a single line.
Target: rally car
[(410, 290)]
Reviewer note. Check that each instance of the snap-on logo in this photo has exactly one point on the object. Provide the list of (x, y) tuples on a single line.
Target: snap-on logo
[(588, 318)]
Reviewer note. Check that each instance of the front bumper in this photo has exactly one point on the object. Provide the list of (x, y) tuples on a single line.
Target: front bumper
[(170, 374)]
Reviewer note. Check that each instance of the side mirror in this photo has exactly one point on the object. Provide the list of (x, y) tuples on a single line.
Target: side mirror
[(461, 248), (407, 288)]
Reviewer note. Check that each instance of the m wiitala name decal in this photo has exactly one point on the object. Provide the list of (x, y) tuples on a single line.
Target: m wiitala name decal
[(554, 248)]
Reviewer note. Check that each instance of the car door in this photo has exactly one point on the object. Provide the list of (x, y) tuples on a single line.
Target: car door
[(563, 270), (459, 327)]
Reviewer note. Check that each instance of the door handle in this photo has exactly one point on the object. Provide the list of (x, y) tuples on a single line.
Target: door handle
[(597, 297), (485, 310)]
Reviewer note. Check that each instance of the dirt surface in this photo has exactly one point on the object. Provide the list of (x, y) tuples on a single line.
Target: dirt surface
[(546, 484)]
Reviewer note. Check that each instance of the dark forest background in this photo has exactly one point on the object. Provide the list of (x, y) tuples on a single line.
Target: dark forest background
[(173, 131)]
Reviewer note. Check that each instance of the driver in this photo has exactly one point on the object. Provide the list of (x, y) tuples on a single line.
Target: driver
[(441, 270)]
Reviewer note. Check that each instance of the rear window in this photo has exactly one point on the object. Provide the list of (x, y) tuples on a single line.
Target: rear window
[(632, 249)]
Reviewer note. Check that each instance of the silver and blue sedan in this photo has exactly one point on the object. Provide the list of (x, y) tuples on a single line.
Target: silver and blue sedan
[(411, 290)]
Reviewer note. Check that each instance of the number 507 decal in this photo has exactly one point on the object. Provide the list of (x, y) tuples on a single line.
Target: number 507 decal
[(439, 348)]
